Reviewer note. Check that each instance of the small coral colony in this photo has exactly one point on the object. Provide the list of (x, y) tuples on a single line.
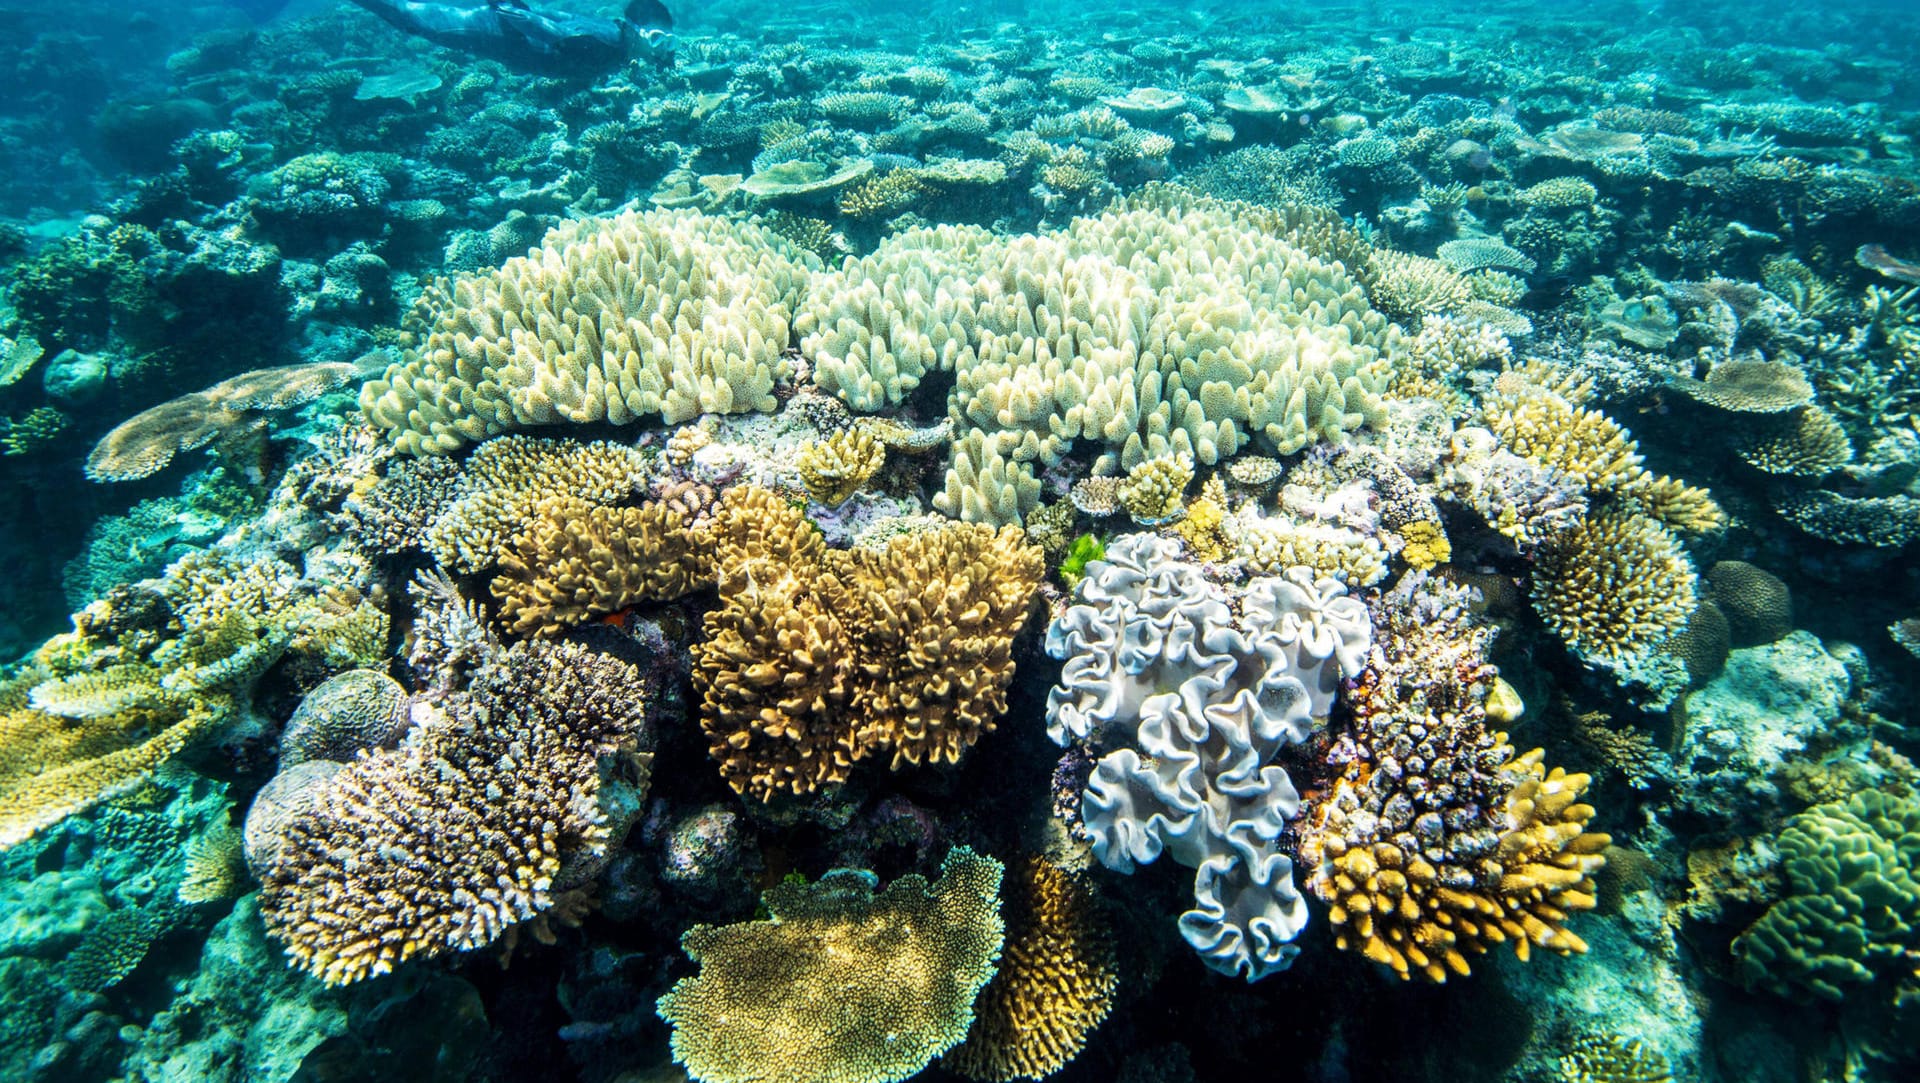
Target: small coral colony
[(946, 557)]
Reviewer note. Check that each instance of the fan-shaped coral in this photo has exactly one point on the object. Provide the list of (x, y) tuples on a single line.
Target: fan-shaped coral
[(841, 984), (146, 442)]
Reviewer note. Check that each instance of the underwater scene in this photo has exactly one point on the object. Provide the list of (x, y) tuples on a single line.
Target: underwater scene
[(841, 541)]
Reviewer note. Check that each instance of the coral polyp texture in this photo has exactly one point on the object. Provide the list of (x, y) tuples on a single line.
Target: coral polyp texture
[(1054, 985), (445, 842), (841, 983), (1436, 842), (1615, 587), (1202, 689), (1172, 326), (666, 314), (817, 659), (146, 442), (577, 560)]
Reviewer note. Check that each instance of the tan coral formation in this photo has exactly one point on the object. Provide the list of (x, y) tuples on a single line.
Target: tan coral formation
[(146, 442), (656, 313), (839, 466), (576, 561), (1055, 984), (817, 659)]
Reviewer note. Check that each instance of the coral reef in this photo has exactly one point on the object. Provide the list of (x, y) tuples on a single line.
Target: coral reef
[(1054, 985)]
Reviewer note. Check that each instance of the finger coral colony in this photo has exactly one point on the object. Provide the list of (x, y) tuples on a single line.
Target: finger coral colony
[(1144, 545)]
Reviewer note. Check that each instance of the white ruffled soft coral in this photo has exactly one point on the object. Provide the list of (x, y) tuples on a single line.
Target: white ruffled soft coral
[(1157, 655)]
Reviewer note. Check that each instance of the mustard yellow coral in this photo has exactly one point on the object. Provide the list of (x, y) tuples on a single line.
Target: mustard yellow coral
[(1054, 986), (817, 659), (577, 560), (1391, 905), (836, 468)]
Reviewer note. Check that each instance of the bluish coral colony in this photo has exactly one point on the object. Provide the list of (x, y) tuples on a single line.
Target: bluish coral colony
[(847, 542)]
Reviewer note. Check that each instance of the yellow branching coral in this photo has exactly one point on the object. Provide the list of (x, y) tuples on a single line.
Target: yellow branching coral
[(52, 767), (658, 313), (1435, 841), (817, 659), (146, 442), (1610, 1058), (1154, 491), (1615, 586), (1425, 545), (1538, 412), (578, 560), (1392, 906), (836, 468), (216, 868), (841, 984), (1408, 285), (1054, 986), (1206, 528)]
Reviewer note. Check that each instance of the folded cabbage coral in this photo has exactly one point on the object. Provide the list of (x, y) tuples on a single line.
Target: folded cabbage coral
[(1202, 690), (841, 983)]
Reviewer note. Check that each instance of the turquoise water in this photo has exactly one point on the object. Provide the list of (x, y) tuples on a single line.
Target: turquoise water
[(836, 541)]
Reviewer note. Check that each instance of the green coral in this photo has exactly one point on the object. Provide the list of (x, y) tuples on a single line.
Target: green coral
[(840, 984), (1083, 551), (1851, 915)]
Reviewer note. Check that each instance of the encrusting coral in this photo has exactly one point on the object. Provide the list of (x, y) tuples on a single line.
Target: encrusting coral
[(1436, 841), (445, 842), (1055, 982), (657, 313), (841, 983), (146, 442)]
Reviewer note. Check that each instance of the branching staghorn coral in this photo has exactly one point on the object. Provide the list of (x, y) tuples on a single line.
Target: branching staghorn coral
[(1538, 412), (146, 442), (1615, 587), (658, 313), (501, 485), (1201, 691), (842, 983), (445, 842), (1436, 841)]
